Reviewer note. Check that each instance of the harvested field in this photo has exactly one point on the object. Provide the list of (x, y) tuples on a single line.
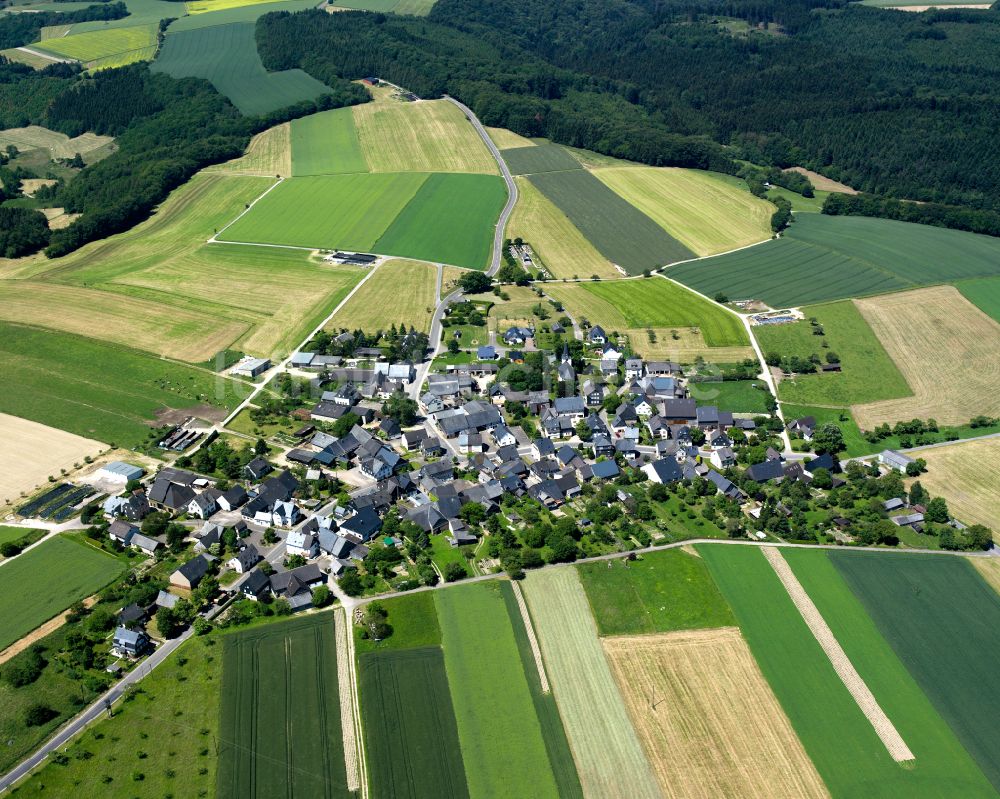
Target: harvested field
[(57, 218), (426, 136), (660, 592), (821, 182), (707, 212), (399, 293), (280, 727), (501, 738), (227, 56), (946, 349), (968, 477), (206, 6), (989, 570), (242, 13), (58, 145), (561, 247), (30, 452), (409, 726), (946, 626), (533, 159), (506, 139), (326, 144), (709, 721), (618, 230), (848, 674), (30, 185), (349, 716), (823, 258), (72, 571), (609, 757), (269, 154)]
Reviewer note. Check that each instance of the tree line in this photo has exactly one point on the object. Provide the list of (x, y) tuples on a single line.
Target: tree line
[(17, 30), (976, 220)]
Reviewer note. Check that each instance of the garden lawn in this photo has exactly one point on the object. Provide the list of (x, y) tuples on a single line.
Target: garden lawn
[(941, 618), (868, 373), (333, 211), (30, 534), (736, 396), (822, 258), (838, 738), (450, 220), (326, 144), (411, 738), (280, 726), (414, 624), (620, 232), (660, 592), (71, 571), (501, 738), (940, 758)]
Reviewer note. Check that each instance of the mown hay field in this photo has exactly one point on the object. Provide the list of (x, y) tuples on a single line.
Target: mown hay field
[(609, 756), (822, 258), (411, 737), (227, 56), (280, 726), (707, 212), (821, 182), (417, 8), (618, 230), (563, 250), (709, 721), (399, 293), (58, 145), (946, 349), (939, 758), (268, 155), (506, 139), (326, 144), (532, 159), (655, 303), (868, 373), (160, 287), (72, 571), (501, 738), (207, 6), (661, 592), (835, 733), (126, 43), (946, 626), (968, 477), (30, 452), (424, 136), (241, 13), (97, 390)]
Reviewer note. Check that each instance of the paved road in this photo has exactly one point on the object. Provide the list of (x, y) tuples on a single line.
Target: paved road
[(92, 713)]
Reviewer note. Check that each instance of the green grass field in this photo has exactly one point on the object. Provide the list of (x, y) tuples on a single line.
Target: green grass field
[(868, 375), (539, 158), (501, 739), (165, 733), (67, 382), (940, 758), (737, 396), (838, 738), (659, 593), (556, 743), (280, 726), (984, 293), (620, 232), (609, 757), (707, 212), (30, 534), (411, 737), (822, 258), (126, 44), (326, 144), (445, 218), (417, 8), (414, 624), (350, 211), (450, 220), (661, 303), (227, 56), (72, 571), (940, 617)]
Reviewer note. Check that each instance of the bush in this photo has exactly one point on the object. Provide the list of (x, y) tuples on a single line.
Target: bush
[(38, 714), (454, 572)]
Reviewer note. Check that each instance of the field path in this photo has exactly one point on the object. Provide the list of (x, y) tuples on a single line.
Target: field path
[(532, 638), (349, 712), (855, 685)]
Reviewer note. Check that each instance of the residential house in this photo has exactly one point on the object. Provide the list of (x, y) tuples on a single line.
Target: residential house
[(122, 532), (804, 426), (663, 471), (170, 496), (232, 498), (596, 335), (244, 560), (255, 586), (190, 574), (130, 643), (145, 544), (302, 543), (257, 469)]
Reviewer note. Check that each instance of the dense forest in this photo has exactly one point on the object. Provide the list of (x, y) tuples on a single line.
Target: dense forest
[(20, 29), (22, 231), (896, 104)]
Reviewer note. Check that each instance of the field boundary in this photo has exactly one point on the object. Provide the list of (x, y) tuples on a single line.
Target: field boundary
[(536, 652), (853, 681), (348, 703)]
